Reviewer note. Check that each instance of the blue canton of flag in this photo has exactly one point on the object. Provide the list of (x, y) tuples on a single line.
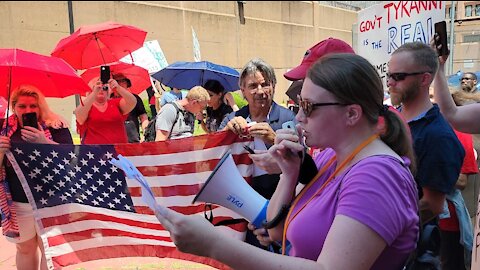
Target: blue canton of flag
[(73, 175)]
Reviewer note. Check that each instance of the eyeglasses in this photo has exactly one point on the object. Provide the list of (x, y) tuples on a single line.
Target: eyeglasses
[(254, 87), (400, 76), (308, 107)]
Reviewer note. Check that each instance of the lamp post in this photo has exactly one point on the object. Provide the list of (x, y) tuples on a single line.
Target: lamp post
[(452, 35), (72, 29)]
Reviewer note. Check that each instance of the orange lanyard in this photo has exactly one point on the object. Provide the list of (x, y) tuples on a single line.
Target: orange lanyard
[(317, 176)]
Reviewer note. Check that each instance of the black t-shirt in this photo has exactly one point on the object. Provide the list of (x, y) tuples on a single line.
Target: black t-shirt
[(215, 117), (61, 136), (138, 110)]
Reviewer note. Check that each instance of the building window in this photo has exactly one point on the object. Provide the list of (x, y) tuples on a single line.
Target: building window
[(471, 38), (447, 16), (468, 11), (477, 10)]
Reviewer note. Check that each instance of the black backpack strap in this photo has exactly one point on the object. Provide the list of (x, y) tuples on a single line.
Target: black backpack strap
[(176, 118)]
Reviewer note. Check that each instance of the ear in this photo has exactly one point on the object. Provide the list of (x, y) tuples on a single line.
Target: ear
[(427, 79), (354, 113)]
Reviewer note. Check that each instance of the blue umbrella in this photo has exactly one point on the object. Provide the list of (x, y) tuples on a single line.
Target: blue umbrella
[(454, 80), (185, 75)]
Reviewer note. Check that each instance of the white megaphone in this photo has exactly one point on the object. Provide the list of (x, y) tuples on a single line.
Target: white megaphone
[(226, 187)]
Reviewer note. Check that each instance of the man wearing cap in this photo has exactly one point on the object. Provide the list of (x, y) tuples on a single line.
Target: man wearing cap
[(132, 124)]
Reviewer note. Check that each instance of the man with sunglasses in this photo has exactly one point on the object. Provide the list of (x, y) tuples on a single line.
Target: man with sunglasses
[(468, 82), (439, 153)]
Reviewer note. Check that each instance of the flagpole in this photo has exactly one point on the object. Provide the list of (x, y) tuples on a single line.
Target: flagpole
[(452, 34), (72, 29)]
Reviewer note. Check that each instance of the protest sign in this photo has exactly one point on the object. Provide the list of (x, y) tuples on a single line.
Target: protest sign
[(150, 57), (385, 27), (196, 47)]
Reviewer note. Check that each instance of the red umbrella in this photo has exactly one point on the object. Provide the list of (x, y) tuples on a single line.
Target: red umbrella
[(138, 76), (94, 45), (51, 75)]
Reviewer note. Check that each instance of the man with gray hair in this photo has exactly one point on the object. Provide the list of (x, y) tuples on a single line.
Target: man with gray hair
[(257, 83)]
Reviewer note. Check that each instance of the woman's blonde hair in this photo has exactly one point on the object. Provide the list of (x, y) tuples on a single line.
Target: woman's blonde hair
[(45, 114)]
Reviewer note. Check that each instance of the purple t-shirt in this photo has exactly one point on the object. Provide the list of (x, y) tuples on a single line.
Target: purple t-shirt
[(377, 191)]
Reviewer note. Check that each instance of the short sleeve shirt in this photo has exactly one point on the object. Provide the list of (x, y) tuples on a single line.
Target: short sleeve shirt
[(438, 151), (184, 126), (378, 191), (104, 127)]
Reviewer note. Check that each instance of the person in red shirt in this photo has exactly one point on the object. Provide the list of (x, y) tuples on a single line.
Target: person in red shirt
[(100, 118)]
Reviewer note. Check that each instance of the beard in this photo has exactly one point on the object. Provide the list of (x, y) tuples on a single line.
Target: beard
[(404, 96), (466, 87)]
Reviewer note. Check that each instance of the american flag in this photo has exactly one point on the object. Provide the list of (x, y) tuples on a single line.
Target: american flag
[(86, 209)]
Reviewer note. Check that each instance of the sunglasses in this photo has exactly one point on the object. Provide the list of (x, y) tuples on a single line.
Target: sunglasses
[(308, 107), (400, 76), (466, 79)]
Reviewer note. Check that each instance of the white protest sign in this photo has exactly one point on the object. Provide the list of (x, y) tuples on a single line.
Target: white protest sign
[(385, 27), (196, 47), (150, 57)]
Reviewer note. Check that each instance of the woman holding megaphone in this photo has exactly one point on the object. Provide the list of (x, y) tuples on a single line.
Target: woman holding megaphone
[(359, 211)]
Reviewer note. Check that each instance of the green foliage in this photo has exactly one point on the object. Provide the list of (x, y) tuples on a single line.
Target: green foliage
[(147, 108), (239, 100)]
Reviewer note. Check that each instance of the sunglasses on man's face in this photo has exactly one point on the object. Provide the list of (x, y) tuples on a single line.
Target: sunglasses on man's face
[(308, 107), (466, 79), (400, 76)]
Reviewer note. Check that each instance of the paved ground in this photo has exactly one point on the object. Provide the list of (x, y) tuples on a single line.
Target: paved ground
[(7, 262)]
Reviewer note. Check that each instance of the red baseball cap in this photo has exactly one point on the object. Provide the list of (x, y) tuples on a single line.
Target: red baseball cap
[(324, 47)]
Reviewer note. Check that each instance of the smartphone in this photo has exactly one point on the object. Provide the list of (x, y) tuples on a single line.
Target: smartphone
[(249, 150), (105, 74), (289, 125), (441, 30), (30, 120)]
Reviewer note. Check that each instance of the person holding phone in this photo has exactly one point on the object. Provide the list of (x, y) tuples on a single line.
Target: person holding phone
[(32, 122), (100, 118)]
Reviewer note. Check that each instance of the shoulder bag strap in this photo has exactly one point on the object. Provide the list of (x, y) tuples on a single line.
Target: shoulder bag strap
[(176, 119)]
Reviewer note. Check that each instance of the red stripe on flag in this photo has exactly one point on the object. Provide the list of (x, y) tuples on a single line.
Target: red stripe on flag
[(190, 167), (108, 252), (187, 144), (81, 216), (186, 210), (178, 190), (95, 233)]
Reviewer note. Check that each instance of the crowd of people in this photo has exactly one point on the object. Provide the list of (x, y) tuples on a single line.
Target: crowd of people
[(374, 179)]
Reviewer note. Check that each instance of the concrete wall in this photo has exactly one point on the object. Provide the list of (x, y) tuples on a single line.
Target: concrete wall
[(278, 32)]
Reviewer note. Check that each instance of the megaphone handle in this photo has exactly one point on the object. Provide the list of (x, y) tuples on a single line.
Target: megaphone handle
[(279, 217), (209, 218)]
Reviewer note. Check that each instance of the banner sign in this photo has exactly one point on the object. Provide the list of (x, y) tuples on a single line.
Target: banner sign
[(196, 47), (150, 57), (385, 27)]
